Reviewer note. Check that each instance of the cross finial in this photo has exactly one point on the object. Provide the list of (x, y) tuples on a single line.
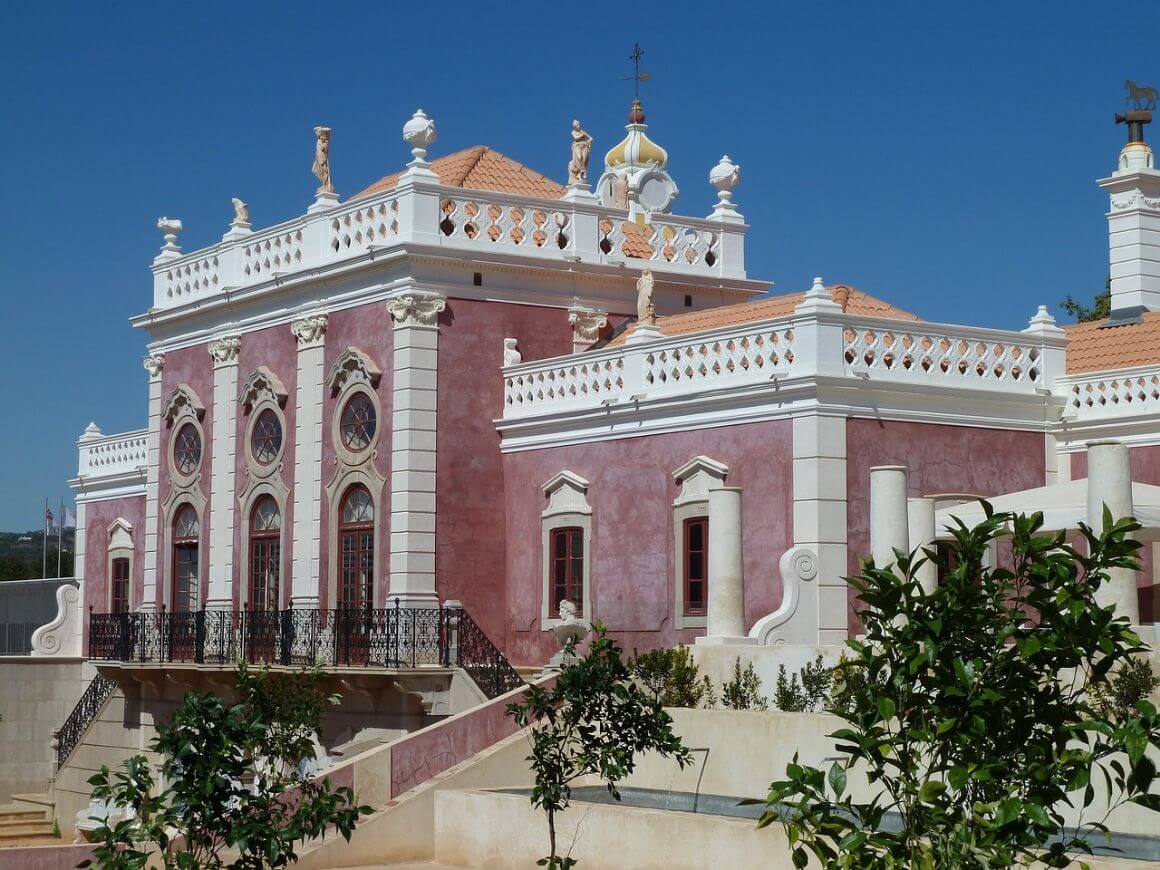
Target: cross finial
[(637, 76)]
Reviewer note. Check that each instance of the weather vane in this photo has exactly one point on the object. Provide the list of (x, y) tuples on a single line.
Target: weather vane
[(1139, 99), (637, 76)]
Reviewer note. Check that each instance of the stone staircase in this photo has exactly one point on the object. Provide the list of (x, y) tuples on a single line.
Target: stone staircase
[(27, 821)]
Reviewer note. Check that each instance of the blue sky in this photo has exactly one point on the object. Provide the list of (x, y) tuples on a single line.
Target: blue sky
[(940, 155)]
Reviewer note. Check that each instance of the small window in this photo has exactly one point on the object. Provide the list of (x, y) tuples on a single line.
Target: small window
[(187, 449), (567, 569), (358, 422), (356, 544), (688, 301), (186, 570), (120, 586), (696, 566), (266, 438)]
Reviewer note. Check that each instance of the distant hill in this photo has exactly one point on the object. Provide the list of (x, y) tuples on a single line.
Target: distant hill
[(21, 552)]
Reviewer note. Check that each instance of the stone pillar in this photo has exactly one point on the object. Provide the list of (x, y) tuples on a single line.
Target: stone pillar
[(726, 617), (586, 326), (921, 534), (154, 365), (889, 523), (224, 352), (1110, 484), (311, 335), (413, 427)]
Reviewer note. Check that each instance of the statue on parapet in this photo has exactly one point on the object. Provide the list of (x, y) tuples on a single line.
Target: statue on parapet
[(241, 212), (581, 153), (646, 310), (321, 167)]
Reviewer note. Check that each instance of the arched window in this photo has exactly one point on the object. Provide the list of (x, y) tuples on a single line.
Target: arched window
[(119, 594), (265, 555), (186, 575), (358, 422), (356, 542)]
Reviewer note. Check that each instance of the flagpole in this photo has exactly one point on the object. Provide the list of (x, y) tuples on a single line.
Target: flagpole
[(60, 538), (44, 544)]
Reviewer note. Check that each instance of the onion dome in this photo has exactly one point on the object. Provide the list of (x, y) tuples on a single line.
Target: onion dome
[(636, 149)]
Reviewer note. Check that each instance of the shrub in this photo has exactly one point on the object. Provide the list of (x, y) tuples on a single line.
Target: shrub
[(806, 696), (1133, 682), (972, 723), (743, 692), (673, 677)]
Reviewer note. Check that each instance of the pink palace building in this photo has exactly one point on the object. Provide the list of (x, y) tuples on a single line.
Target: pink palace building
[(393, 434)]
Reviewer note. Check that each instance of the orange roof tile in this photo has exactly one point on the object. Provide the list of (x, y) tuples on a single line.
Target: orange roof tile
[(1095, 346), (481, 168), (852, 300)]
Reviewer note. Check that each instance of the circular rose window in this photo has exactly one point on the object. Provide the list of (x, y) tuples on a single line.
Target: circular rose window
[(358, 422), (187, 449), (266, 437)]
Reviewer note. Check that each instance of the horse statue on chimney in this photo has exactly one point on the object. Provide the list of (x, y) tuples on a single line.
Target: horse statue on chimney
[(1139, 99)]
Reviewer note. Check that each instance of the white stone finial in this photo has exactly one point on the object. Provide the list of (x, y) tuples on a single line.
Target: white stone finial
[(818, 290), (725, 177), (170, 227), (818, 298), (419, 133), (511, 353), (1042, 322), (92, 432)]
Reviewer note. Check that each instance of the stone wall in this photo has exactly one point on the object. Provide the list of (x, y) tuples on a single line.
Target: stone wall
[(39, 693)]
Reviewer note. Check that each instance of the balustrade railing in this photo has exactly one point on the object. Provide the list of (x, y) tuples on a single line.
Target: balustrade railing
[(107, 455), (1112, 394), (69, 735)]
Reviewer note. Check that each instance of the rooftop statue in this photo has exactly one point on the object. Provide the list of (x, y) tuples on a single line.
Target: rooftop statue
[(646, 311), (581, 152), (1140, 99), (321, 167), (241, 211)]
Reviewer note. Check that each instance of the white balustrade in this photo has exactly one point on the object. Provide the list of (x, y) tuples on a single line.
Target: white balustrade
[(580, 380), (743, 355), (1112, 394), (110, 455)]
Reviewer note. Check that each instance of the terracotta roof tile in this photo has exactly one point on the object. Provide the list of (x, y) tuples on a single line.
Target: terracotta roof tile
[(852, 300), (481, 168), (1095, 346)]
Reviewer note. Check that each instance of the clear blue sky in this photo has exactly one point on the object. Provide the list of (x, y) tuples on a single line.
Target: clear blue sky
[(941, 155)]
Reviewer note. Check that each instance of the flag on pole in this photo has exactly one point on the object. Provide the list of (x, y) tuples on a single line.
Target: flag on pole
[(49, 519)]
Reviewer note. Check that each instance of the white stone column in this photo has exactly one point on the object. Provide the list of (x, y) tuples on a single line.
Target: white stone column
[(311, 335), (154, 365), (413, 433), (224, 352), (889, 524), (726, 617), (1110, 484), (921, 534)]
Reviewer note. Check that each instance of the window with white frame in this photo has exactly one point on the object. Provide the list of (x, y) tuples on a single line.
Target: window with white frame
[(566, 543), (691, 539)]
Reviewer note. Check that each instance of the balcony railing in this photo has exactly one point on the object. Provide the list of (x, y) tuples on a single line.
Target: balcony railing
[(392, 638)]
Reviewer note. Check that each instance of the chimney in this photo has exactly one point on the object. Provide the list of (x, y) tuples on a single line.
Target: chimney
[(1134, 223)]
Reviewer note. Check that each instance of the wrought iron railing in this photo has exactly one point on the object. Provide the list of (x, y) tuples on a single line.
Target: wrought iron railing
[(393, 637), (70, 733)]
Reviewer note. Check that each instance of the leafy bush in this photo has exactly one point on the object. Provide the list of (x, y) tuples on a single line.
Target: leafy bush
[(848, 685), (232, 782), (743, 692), (806, 696), (673, 677), (972, 723), (1133, 682), (595, 721)]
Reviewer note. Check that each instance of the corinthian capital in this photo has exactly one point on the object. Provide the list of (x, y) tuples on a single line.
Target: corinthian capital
[(586, 323), (309, 330), (154, 364), (414, 309), (225, 350)]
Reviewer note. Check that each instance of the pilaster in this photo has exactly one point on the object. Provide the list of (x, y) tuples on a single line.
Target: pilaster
[(154, 366), (413, 439), (310, 333), (224, 352)]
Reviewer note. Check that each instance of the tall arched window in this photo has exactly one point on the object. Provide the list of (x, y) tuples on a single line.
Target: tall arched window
[(265, 555), (186, 576), (356, 542)]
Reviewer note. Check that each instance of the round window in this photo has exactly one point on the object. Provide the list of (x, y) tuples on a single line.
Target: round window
[(266, 437), (358, 422), (187, 449)]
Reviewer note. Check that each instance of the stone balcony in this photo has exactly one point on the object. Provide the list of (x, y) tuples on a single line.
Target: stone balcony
[(111, 460)]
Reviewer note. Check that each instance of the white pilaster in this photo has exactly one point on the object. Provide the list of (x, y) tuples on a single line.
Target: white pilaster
[(224, 352), (889, 524), (310, 333), (726, 617), (921, 533), (1110, 484), (153, 365), (413, 435)]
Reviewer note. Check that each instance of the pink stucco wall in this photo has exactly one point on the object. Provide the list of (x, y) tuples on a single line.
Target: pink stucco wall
[(471, 525), (367, 328), (940, 459), (631, 491), (98, 516), (276, 349)]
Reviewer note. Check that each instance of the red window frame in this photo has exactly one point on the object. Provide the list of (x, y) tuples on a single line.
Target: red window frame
[(265, 562), (356, 554), (566, 554), (696, 559), (119, 586), (186, 556)]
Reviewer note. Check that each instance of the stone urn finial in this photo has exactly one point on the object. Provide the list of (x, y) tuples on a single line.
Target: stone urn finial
[(725, 176), (419, 133), (170, 227)]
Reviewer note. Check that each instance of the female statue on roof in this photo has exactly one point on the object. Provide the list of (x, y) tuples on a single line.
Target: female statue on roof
[(581, 152)]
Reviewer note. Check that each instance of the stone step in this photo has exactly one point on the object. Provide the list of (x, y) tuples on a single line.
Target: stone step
[(22, 812), (37, 799), (25, 830)]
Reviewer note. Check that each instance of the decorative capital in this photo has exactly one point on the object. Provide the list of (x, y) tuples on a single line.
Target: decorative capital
[(587, 322), (225, 350), (154, 364), (412, 310), (309, 331)]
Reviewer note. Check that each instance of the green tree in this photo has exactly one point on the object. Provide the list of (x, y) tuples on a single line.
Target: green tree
[(975, 724), (234, 792), (594, 721), (1101, 307)]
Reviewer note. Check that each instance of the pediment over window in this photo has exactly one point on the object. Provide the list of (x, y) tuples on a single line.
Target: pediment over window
[(262, 384), (697, 476), (182, 402), (353, 366), (120, 534), (567, 493)]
